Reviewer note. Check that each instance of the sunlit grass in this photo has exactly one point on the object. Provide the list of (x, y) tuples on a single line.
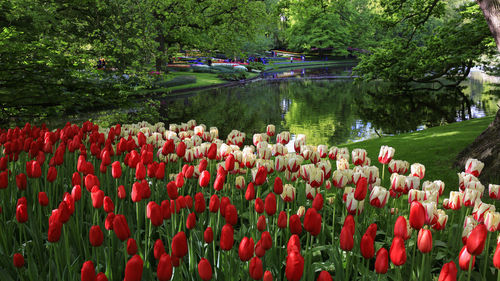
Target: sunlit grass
[(435, 147)]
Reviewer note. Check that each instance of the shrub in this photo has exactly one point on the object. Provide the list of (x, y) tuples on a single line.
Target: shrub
[(255, 65), (236, 76)]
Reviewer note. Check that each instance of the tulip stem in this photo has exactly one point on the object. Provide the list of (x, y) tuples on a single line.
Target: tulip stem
[(486, 257), (470, 267), (422, 277)]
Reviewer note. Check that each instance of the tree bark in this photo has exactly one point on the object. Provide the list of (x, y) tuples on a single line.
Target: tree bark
[(492, 16)]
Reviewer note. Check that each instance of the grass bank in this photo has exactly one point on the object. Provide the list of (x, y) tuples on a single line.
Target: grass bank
[(307, 64), (436, 148)]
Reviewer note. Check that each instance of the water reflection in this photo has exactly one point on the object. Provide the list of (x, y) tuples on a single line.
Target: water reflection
[(327, 111)]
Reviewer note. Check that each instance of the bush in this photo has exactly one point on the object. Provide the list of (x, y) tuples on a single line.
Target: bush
[(180, 68), (255, 66), (202, 69), (236, 76), (177, 81)]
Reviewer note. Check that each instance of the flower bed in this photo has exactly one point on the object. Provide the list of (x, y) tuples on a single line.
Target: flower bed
[(145, 201)]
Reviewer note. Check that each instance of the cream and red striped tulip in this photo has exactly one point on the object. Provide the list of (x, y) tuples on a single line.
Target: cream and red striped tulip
[(358, 156), (326, 167), (279, 164), (432, 196), (470, 197), (372, 173), (339, 180), (412, 182), (283, 137), (469, 224), (354, 207), (431, 215), (464, 180), (398, 166), (456, 200), (474, 167), (379, 196), (480, 208), (322, 150), (299, 143), (294, 162), (415, 195), (333, 152), (343, 153), (342, 164), (279, 149), (417, 170), (385, 155), (310, 192), (288, 194), (492, 220), (442, 219), (270, 130), (398, 182), (494, 191), (316, 177)]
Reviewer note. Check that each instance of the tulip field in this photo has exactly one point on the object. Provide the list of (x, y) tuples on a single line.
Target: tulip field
[(179, 202)]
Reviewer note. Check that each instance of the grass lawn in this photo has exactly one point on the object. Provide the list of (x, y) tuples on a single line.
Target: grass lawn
[(436, 148)]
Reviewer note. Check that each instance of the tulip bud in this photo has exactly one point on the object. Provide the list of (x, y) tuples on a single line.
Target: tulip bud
[(476, 240), (424, 240), (133, 269), (397, 251), (382, 262), (88, 271), (164, 270), (464, 259)]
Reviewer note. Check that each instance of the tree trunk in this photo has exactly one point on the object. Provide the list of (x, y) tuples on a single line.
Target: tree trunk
[(161, 49), (492, 16)]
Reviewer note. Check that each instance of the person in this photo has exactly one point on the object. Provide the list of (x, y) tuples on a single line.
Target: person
[(209, 62), (303, 58), (291, 59)]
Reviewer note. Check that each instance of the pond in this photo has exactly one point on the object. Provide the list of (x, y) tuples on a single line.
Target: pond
[(328, 111)]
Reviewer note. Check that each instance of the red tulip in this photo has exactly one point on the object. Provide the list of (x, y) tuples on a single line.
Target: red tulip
[(208, 235), (397, 252), (191, 221), (160, 171), (212, 151), (140, 171), (158, 249), (108, 204), (4, 180), (372, 230), (400, 227), (231, 214), (88, 271), (255, 268), (261, 175), (270, 204), (367, 246), (133, 270), (54, 232), (21, 181), (205, 269), (349, 223), (116, 169), (318, 202), (496, 257), (246, 248), (108, 222), (267, 241), (51, 174), (268, 276), (227, 237), (43, 200), (476, 240), (346, 239), (293, 243), (259, 206), (261, 223), (382, 263), (278, 186), (131, 246), (155, 213), (168, 147), (361, 189), (97, 196), (181, 149), (101, 277), (294, 266), (259, 250), (18, 260), (76, 193), (172, 190), (164, 270), (464, 259), (424, 240), (22, 213), (295, 225), (282, 220), (96, 237), (448, 272), (229, 163), (324, 276), (199, 203), (312, 221), (224, 202), (179, 180), (120, 227), (417, 215), (204, 178), (250, 192), (76, 179), (214, 203), (179, 245)]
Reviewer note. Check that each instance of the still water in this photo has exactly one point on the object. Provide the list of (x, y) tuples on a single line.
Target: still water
[(328, 111)]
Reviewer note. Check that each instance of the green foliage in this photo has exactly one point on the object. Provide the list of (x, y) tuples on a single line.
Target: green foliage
[(255, 65), (236, 76), (430, 40)]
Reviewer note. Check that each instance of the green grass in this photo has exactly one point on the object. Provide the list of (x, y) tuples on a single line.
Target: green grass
[(306, 64), (436, 148)]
